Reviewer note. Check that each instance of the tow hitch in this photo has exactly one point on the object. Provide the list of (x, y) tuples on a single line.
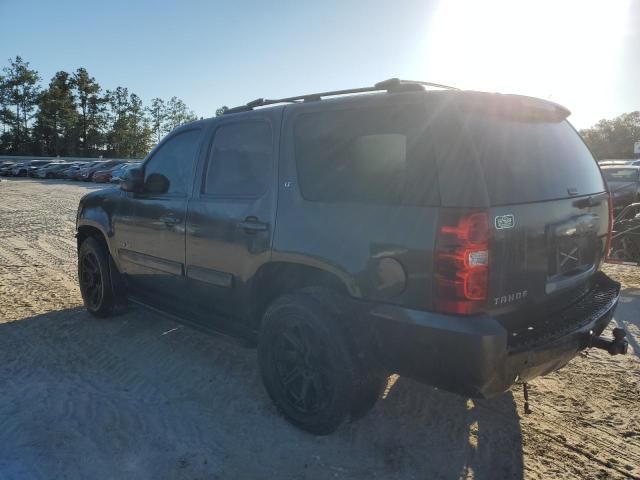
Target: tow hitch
[(615, 346)]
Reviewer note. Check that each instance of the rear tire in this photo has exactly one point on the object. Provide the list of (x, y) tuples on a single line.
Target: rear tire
[(306, 363), (94, 275)]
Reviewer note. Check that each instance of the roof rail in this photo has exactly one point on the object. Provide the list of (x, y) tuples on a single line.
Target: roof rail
[(391, 85), (397, 83)]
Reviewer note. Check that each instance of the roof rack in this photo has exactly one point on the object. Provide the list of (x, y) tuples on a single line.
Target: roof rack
[(390, 85)]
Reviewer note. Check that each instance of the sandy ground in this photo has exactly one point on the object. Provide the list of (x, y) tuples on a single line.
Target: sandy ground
[(122, 398)]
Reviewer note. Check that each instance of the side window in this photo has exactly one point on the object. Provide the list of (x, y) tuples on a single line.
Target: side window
[(377, 155), (239, 162), (175, 160)]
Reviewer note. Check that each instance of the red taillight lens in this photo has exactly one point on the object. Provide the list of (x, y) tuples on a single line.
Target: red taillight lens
[(462, 262), (472, 229)]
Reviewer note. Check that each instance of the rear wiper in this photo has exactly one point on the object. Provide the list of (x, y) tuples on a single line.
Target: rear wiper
[(590, 201)]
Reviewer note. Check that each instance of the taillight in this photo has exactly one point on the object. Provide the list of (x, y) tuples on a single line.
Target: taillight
[(462, 262), (607, 251)]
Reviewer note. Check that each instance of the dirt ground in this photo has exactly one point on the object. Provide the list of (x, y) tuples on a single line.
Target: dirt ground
[(139, 396)]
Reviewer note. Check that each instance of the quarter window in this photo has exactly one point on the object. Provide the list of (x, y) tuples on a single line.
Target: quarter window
[(365, 155)]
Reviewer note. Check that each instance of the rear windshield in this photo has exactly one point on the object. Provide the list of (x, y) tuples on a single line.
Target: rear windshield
[(365, 155), (620, 174), (526, 161)]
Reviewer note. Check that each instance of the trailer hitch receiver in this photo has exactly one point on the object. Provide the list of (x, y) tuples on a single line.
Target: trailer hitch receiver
[(615, 346)]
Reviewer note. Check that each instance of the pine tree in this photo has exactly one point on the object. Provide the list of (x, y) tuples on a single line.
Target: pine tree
[(56, 127), (20, 85), (177, 113), (7, 117), (130, 133), (139, 132), (73, 117), (92, 121), (157, 114), (118, 101)]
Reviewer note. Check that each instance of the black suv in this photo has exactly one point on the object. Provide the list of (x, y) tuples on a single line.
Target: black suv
[(451, 236)]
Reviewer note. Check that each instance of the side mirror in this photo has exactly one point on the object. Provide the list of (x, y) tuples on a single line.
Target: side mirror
[(156, 183), (132, 180)]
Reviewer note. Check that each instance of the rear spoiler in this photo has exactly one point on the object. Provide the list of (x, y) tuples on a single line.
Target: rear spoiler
[(515, 107)]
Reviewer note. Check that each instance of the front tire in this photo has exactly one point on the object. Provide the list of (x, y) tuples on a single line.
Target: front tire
[(94, 275), (306, 363)]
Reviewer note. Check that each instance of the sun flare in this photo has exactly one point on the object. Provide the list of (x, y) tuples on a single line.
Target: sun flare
[(535, 48)]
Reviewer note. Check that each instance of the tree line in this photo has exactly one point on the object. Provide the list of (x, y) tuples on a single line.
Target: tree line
[(74, 116), (614, 138)]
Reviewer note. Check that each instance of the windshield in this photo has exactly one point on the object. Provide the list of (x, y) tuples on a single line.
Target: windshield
[(620, 174)]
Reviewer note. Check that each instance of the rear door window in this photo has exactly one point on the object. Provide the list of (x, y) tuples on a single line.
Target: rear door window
[(375, 155), (239, 163)]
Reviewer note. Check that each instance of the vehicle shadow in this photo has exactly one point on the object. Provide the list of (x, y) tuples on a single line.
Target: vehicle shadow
[(140, 396), (627, 317)]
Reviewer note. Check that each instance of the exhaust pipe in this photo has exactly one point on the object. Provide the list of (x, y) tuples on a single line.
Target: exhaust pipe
[(615, 346)]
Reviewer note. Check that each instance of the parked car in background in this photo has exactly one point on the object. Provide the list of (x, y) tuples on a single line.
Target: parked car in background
[(380, 256), (117, 174), (75, 175), (50, 170), (104, 175), (34, 165), (631, 162), (5, 168), (87, 174), (19, 169), (71, 169), (85, 167), (624, 184)]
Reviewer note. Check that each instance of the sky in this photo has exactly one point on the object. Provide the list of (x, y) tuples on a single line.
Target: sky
[(584, 54)]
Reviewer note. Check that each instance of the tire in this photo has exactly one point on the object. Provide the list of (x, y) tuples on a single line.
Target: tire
[(306, 364), (94, 275)]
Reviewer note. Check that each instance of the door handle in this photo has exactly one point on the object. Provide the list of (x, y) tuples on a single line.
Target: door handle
[(169, 220), (252, 225)]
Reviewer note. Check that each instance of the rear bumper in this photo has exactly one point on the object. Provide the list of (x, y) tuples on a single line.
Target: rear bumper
[(475, 356)]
